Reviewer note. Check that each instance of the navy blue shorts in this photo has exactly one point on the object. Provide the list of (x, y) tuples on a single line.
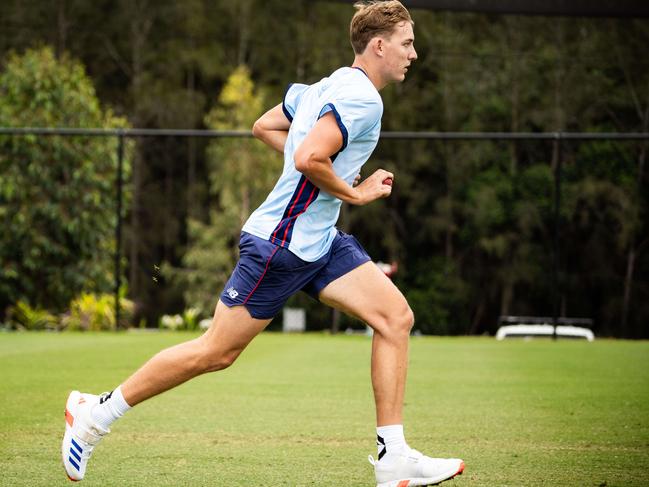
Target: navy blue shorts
[(267, 275)]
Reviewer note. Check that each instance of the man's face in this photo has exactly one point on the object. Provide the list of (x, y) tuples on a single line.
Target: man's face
[(399, 52)]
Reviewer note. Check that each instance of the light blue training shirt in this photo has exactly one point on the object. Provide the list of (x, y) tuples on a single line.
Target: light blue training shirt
[(296, 213)]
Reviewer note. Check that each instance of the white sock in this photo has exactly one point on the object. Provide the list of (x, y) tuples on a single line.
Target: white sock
[(389, 441), (110, 408)]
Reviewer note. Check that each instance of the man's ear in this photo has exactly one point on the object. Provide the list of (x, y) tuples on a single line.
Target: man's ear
[(377, 44)]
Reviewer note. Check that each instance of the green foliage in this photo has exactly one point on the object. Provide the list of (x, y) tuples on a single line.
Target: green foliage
[(57, 195), (96, 312), (438, 296), (22, 316), (189, 320), (482, 209), (241, 172)]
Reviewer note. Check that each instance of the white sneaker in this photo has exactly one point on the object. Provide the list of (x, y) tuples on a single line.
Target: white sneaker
[(81, 434), (411, 468)]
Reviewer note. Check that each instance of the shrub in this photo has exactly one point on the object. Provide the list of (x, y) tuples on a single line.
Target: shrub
[(57, 194), (171, 322), (189, 320), (22, 316), (96, 312)]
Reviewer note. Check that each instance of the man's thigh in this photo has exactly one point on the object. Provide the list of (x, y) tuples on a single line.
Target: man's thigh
[(232, 328), (266, 276), (366, 293)]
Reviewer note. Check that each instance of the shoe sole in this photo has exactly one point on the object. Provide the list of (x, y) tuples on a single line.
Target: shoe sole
[(414, 482)]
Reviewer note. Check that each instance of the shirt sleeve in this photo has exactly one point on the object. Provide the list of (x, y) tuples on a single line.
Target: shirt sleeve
[(292, 99), (355, 116)]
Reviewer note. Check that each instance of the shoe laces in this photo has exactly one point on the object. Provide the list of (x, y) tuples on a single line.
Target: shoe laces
[(86, 430)]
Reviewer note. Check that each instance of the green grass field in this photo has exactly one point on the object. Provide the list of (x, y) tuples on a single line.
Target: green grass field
[(297, 410)]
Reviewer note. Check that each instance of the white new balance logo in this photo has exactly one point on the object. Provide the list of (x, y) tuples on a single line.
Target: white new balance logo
[(232, 292)]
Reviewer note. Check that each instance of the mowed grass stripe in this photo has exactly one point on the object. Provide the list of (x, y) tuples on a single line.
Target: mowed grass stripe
[(297, 410)]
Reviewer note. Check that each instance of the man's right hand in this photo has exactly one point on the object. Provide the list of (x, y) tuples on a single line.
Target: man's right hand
[(373, 188), (313, 159)]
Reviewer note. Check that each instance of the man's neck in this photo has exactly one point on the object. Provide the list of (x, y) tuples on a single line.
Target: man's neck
[(371, 73)]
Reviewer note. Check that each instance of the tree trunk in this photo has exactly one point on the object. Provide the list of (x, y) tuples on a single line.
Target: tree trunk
[(134, 251), (559, 73), (62, 30), (628, 284), (634, 249), (245, 204), (335, 321), (631, 255), (477, 318), (507, 297), (244, 32), (170, 207), (303, 44), (191, 149), (515, 60), (139, 30), (448, 125)]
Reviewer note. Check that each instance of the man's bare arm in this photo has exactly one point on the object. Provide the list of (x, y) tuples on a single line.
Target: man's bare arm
[(313, 159), (272, 128)]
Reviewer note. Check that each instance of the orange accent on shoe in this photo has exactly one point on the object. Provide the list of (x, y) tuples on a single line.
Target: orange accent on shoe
[(404, 483), (460, 470), (68, 417), (73, 480)]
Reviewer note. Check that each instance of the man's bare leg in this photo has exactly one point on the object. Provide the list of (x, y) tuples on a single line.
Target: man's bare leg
[(231, 331), (369, 295), (88, 417)]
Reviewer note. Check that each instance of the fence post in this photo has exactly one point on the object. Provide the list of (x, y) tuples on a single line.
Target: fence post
[(556, 294), (118, 226)]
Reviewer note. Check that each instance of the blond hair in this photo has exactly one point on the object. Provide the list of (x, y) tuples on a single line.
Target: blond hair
[(375, 18)]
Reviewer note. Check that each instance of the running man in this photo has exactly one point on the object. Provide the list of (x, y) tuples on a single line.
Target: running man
[(326, 132)]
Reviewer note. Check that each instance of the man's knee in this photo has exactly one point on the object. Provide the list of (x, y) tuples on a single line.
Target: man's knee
[(395, 324), (219, 361), (213, 358), (406, 320)]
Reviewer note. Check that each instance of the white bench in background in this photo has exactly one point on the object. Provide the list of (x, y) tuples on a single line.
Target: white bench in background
[(537, 326)]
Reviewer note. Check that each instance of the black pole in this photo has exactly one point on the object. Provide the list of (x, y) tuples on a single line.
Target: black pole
[(97, 132), (556, 294), (118, 226)]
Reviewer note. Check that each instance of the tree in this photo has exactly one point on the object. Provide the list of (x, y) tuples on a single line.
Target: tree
[(469, 222), (241, 174), (57, 195)]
